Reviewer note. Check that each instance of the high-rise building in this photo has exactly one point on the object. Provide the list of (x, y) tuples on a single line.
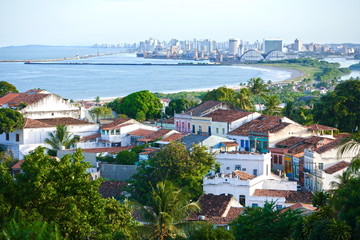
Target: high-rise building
[(272, 44), (298, 45), (233, 46)]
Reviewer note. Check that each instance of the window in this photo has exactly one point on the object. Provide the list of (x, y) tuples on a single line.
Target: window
[(242, 200), (17, 137), (280, 159), (200, 129), (193, 128), (255, 172), (244, 169), (227, 168), (255, 205), (117, 132), (177, 125), (223, 132), (237, 167), (182, 126), (242, 143), (188, 127), (278, 207), (209, 130), (275, 159), (7, 137), (321, 166), (265, 146), (217, 130)]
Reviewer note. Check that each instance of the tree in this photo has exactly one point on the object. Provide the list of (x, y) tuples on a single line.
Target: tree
[(206, 231), (340, 108), (6, 87), (101, 112), (220, 94), (61, 192), (184, 168), (179, 105), (167, 212), (126, 158), (61, 138), (271, 104), (264, 223), (10, 120), (139, 105), (258, 88), (242, 99)]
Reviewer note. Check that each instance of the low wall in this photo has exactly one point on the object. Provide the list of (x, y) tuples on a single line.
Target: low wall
[(117, 172)]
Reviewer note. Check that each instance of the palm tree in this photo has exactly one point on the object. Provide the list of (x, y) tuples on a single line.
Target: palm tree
[(242, 100), (271, 104), (61, 138), (351, 145), (167, 212), (258, 88)]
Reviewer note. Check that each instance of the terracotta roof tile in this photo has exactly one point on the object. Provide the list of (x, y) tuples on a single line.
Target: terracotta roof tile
[(337, 167), (206, 107), (213, 205), (8, 97), (150, 136), (115, 124), (234, 212), (227, 115), (90, 137), (109, 189), (113, 150), (241, 175), (290, 196), (318, 127), (172, 137), (230, 144), (18, 165), (33, 123), (141, 133), (27, 98), (263, 124), (170, 120), (333, 144), (290, 141), (64, 121)]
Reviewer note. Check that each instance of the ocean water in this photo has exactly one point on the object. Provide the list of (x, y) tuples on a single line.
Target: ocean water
[(88, 81)]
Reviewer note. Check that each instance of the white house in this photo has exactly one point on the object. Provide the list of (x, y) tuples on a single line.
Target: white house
[(35, 131), (40, 104)]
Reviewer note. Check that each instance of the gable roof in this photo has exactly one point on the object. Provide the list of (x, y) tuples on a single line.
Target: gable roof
[(228, 116), (115, 124), (172, 137), (90, 137), (337, 167), (64, 121), (26, 98), (331, 145), (33, 123), (290, 196), (262, 124), (206, 107), (8, 97), (17, 165), (213, 205)]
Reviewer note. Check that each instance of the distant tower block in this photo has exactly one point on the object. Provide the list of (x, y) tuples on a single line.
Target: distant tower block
[(233, 46), (272, 44), (298, 45)]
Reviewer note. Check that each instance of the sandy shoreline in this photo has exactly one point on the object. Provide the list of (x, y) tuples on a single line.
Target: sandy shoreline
[(294, 74)]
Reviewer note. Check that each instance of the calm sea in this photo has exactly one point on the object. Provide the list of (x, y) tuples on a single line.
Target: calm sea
[(88, 81)]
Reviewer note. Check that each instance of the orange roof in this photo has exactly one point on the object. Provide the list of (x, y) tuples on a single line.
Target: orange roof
[(242, 175), (90, 137), (26, 98), (141, 133), (117, 123), (18, 165), (8, 97), (52, 122), (173, 137), (33, 123), (228, 116), (337, 167), (290, 196)]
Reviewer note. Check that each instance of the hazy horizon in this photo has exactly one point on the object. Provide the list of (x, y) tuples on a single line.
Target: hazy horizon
[(86, 22)]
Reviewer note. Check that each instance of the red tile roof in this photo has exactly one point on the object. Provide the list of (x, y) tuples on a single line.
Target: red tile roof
[(290, 141), (227, 115), (17, 165), (147, 151), (27, 98), (113, 150), (207, 107), (318, 127), (301, 205), (169, 121), (172, 137), (141, 133), (8, 97), (241, 175), (230, 144), (333, 144), (290, 196), (33, 123), (63, 121), (115, 124), (90, 137), (213, 205), (150, 136), (109, 189), (263, 124), (337, 167)]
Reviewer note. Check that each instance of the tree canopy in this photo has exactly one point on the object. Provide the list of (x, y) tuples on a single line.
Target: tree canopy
[(6, 87), (101, 112), (179, 105), (220, 94), (61, 192), (340, 108), (61, 138), (140, 105), (10, 120), (173, 162)]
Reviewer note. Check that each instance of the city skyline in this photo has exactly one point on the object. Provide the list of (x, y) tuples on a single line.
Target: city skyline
[(117, 21)]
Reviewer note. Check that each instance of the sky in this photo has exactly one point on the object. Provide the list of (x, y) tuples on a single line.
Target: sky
[(86, 22)]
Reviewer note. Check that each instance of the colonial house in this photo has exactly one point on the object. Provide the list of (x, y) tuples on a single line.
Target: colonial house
[(218, 210), (319, 159), (264, 132), (40, 104), (183, 121), (35, 131), (331, 173)]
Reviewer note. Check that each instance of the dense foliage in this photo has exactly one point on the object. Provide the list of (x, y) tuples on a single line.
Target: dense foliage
[(140, 105), (340, 108), (101, 112), (61, 192), (10, 120), (6, 87), (179, 105), (60, 138), (266, 223), (193, 96), (173, 162)]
